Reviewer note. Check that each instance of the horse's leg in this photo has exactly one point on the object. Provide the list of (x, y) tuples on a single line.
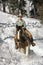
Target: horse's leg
[(28, 50), (21, 50), (15, 39)]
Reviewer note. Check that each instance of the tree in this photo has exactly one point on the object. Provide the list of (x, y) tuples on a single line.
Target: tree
[(12, 4), (4, 5), (35, 2), (16, 5), (40, 2)]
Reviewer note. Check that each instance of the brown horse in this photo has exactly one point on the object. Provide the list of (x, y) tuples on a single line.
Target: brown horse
[(21, 42)]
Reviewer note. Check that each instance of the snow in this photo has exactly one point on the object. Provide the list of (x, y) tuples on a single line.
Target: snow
[(8, 54)]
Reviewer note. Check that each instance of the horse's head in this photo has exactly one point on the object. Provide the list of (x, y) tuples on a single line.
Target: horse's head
[(19, 34)]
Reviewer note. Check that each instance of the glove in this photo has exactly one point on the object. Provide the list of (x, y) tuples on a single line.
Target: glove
[(16, 26)]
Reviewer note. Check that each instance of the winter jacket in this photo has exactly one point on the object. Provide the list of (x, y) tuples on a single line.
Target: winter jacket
[(20, 23)]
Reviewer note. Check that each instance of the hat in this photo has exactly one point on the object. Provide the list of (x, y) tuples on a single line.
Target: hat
[(20, 15)]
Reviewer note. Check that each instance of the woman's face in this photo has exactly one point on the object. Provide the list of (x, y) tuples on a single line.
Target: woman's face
[(20, 18)]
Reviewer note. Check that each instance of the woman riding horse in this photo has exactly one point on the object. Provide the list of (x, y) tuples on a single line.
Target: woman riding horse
[(21, 24)]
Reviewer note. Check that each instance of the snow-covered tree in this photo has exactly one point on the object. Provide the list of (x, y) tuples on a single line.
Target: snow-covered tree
[(4, 5), (16, 5)]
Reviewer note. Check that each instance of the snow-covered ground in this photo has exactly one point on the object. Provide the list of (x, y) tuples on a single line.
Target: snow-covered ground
[(8, 54)]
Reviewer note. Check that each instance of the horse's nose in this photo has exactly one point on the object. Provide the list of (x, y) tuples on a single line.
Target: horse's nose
[(18, 40)]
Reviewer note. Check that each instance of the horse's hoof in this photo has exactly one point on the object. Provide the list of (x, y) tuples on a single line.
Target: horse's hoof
[(16, 47), (33, 44)]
